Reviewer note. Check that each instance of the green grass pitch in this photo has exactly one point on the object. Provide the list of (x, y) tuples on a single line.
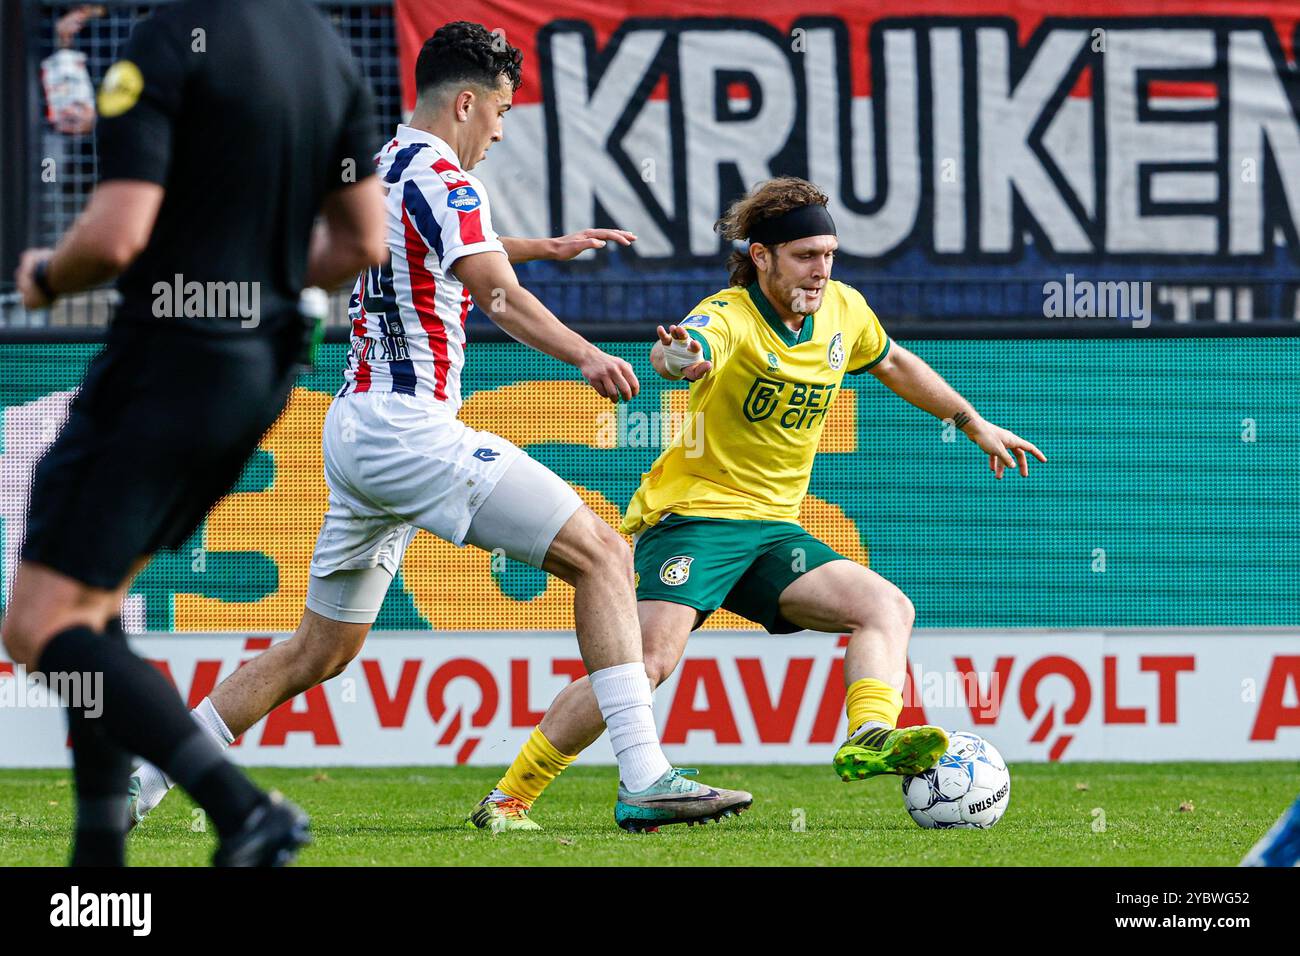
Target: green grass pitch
[(1084, 814)]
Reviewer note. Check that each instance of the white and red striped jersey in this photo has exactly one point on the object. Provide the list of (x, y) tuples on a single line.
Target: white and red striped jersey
[(408, 316)]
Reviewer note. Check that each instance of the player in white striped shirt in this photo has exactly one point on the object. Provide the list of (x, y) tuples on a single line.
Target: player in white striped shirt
[(397, 458)]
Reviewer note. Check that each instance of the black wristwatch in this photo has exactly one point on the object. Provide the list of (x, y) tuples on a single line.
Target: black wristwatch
[(42, 281)]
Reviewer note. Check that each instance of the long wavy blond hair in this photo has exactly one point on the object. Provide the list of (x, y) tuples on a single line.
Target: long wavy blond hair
[(770, 198)]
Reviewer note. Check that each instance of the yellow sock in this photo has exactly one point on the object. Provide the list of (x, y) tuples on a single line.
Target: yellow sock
[(536, 766), (869, 699)]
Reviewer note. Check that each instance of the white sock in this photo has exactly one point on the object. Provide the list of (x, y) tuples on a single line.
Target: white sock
[(207, 717), (870, 723), (623, 693), (154, 785)]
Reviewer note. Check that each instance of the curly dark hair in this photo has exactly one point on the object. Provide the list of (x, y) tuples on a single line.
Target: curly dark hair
[(464, 52), (768, 199)]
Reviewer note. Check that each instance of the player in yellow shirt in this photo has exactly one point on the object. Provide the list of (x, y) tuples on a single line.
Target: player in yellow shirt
[(716, 517)]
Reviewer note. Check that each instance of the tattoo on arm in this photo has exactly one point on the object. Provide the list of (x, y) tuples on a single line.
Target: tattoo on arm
[(961, 420)]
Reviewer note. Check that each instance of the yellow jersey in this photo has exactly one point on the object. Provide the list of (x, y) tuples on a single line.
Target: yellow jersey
[(753, 423)]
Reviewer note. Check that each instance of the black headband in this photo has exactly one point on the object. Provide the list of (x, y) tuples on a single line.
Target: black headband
[(799, 223)]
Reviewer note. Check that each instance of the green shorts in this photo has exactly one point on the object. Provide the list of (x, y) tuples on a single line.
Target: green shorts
[(738, 564)]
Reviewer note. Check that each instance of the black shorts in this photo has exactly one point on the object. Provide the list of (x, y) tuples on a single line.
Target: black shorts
[(161, 429)]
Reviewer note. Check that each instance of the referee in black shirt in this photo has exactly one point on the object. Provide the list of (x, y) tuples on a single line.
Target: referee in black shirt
[(225, 130)]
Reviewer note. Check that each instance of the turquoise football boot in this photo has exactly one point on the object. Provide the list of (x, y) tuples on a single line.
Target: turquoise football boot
[(675, 799)]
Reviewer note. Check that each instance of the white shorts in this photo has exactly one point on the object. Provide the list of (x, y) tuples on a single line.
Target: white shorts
[(395, 464)]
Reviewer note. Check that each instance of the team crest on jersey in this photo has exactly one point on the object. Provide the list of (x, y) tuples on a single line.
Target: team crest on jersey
[(772, 362), (463, 199), (835, 354), (676, 571), (695, 321)]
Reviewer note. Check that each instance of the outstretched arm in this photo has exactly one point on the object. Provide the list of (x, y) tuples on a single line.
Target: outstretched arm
[(496, 290), (563, 248), (908, 376)]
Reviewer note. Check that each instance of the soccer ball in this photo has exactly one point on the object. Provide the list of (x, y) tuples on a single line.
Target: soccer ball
[(968, 788)]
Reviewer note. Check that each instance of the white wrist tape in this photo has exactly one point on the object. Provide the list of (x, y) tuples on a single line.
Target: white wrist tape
[(679, 356)]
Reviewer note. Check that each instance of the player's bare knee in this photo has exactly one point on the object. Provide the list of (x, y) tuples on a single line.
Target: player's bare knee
[(339, 662), (659, 667), (45, 603), (904, 611), (323, 664), (18, 642), (319, 662), (334, 670), (25, 631), (324, 649), (600, 550), (886, 610), (606, 543), (615, 554)]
